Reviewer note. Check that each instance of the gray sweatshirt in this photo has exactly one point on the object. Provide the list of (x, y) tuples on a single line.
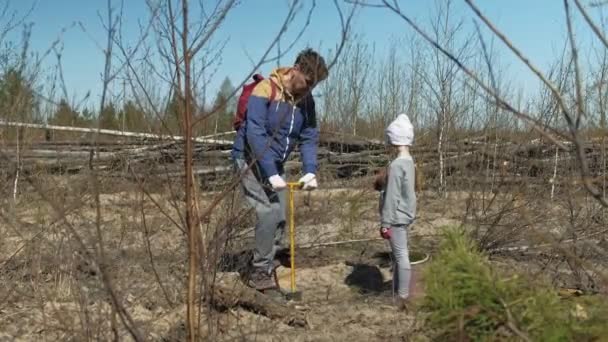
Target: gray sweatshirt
[(398, 200)]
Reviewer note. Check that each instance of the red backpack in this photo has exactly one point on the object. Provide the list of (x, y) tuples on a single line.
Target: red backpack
[(241, 108)]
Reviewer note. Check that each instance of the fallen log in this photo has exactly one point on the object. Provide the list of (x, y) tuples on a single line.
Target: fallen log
[(113, 132), (226, 297)]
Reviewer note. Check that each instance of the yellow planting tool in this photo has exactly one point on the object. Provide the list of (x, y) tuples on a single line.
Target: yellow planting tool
[(294, 294)]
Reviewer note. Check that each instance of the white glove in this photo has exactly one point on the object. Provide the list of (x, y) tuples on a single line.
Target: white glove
[(277, 182), (308, 181)]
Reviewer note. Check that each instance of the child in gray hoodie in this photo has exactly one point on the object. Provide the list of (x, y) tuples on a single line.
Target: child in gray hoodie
[(398, 203)]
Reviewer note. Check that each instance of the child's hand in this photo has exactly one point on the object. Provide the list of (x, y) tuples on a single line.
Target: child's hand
[(385, 233)]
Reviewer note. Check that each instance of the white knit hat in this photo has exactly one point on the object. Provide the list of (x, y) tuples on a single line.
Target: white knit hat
[(400, 132)]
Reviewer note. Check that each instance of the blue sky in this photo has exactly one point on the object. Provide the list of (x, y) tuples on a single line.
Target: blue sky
[(535, 26)]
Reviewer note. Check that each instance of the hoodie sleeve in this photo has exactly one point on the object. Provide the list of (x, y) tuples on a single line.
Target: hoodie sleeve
[(391, 195), (309, 136), (255, 124)]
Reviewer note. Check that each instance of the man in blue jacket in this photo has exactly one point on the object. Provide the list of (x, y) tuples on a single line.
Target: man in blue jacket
[(280, 114)]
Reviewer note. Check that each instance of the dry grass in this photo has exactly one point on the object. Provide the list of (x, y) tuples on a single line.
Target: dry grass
[(54, 291)]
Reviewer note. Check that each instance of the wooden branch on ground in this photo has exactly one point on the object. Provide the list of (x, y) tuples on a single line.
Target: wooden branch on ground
[(111, 132), (339, 157), (225, 297)]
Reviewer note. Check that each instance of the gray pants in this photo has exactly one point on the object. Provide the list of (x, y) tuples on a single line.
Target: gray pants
[(269, 206), (402, 272)]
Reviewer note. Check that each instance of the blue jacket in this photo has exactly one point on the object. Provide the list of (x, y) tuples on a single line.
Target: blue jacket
[(272, 128)]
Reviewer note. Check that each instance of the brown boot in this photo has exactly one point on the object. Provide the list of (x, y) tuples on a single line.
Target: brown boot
[(260, 280)]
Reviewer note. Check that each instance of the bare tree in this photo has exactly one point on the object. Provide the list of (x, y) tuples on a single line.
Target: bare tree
[(444, 94), (392, 86), (345, 91)]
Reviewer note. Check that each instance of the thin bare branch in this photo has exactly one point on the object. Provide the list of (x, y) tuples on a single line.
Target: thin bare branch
[(345, 29), (570, 119), (106, 280), (263, 59), (581, 154), (580, 101), (211, 28), (598, 3), (591, 23), (527, 118), (568, 116)]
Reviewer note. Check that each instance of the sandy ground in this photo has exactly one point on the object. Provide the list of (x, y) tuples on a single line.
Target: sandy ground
[(52, 290)]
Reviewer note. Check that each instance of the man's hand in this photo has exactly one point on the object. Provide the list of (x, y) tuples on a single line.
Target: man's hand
[(308, 181), (380, 179), (277, 183), (385, 233)]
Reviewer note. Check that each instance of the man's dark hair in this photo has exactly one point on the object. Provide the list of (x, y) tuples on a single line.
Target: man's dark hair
[(312, 65)]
